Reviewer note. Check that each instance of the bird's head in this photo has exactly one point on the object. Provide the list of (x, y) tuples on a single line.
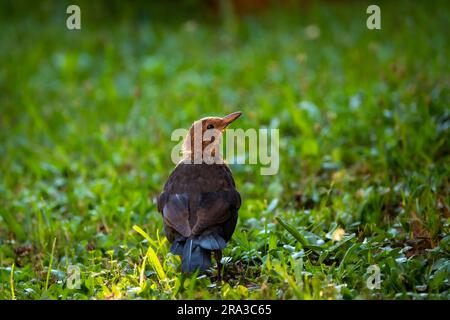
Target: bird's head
[(205, 134)]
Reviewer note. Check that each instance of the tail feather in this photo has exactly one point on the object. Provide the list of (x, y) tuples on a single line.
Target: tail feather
[(178, 246), (212, 241), (194, 257), (195, 252), (187, 254)]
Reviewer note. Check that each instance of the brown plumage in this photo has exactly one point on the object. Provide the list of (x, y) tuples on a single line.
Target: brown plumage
[(200, 203)]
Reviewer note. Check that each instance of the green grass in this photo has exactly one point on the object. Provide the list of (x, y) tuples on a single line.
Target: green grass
[(85, 124)]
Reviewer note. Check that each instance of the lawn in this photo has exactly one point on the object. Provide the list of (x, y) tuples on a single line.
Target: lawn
[(363, 185)]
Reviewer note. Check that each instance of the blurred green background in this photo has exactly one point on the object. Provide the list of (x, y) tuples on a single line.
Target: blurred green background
[(85, 124)]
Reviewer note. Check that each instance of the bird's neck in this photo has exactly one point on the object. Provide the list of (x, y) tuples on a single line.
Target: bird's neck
[(206, 153)]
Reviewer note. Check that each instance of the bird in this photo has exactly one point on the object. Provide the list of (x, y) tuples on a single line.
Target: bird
[(200, 202)]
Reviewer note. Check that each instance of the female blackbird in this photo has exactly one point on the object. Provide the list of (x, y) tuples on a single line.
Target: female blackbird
[(200, 203)]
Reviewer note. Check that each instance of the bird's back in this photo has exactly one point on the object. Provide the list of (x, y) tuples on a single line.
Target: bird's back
[(199, 198), (199, 178)]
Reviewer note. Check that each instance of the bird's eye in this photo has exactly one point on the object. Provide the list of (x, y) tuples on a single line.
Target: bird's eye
[(210, 126)]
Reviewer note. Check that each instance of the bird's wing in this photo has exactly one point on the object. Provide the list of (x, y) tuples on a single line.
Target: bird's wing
[(215, 208), (200, 199), (161, 201), (176, 213)]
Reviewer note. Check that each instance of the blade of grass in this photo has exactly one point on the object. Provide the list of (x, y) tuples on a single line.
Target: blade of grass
[(49, 270), (11, 281), (334, 247), (144, 234), (141, 232), (297, 235), (141, 273), (154, 261), (347, 256), (151, 254)]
